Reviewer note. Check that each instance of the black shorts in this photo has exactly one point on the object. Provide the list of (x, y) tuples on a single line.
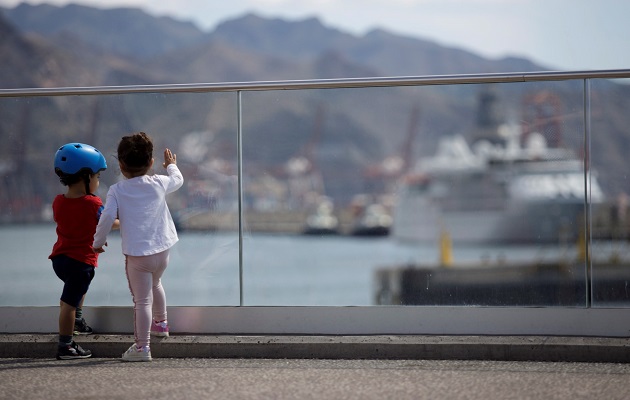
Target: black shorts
[(76, 277)]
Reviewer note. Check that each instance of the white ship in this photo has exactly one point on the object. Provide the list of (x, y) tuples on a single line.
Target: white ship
[(495, 193)]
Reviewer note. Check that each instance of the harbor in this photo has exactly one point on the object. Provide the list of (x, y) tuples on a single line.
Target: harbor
[(345, 229), (309, 270)]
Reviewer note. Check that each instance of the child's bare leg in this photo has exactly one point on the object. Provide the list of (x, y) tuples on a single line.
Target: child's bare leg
[(66, 319), (79, 311)]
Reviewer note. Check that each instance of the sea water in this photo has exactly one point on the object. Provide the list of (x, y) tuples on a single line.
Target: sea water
[(204, 268)]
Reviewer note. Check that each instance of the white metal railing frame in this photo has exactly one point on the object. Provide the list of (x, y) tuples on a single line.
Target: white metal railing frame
[(342, 83), (354, 320)]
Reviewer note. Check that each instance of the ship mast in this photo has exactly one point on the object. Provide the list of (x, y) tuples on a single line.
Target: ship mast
[(489, 116)]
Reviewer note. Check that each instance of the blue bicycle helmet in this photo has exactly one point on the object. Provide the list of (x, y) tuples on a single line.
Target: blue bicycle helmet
[(73, 158)]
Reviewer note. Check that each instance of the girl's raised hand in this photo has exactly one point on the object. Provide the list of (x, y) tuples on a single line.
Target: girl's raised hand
[(169, 158)]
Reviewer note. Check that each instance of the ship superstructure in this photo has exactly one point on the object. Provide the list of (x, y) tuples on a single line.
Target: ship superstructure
[(515, 183)]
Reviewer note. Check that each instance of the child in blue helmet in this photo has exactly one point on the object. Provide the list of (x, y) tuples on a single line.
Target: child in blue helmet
[(76, 213)]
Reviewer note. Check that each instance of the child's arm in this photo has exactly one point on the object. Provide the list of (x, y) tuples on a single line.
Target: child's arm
[(106, 223), (99, 249), (175, 180)]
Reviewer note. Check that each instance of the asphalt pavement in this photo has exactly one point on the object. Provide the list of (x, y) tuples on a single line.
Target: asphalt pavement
[(320, 367), (211, 378)]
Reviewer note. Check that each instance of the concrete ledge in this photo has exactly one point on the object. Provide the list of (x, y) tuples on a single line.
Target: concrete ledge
[(343, 321), (497, 348)]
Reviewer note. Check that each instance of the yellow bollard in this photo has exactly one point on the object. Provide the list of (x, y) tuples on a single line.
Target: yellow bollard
[(581, 246), (446, 250)]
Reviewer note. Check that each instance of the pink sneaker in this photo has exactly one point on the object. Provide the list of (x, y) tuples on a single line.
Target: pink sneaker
[(159, 329)]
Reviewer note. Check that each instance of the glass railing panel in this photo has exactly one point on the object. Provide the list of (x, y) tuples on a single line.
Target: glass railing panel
[(429, 164), (482, 184), (306, 182), (501, 196), (199, 128), (611, 219)]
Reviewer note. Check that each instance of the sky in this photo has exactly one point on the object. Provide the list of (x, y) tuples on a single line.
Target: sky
[(570, 35)]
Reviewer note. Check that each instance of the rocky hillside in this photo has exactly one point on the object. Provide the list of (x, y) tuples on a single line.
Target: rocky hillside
[(133, 34)]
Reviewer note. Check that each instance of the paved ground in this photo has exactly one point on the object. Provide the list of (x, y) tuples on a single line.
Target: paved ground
[(320, 367), (207, 378)]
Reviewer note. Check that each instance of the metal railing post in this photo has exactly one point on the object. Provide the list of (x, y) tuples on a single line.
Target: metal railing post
[(587, 198), (239, 145)]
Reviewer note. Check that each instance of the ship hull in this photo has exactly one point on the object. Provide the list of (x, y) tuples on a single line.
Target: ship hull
[(421, 219)]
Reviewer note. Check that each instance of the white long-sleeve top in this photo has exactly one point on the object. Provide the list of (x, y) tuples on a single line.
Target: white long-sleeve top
[(146, 225)]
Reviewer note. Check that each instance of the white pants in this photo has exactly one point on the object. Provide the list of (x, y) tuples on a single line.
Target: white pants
[(144, 275)]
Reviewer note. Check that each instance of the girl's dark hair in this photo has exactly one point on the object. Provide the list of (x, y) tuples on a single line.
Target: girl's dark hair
[(135, 153)]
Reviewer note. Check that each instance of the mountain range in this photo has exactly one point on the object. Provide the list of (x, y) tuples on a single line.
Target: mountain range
[(248, 48), (74, 45)]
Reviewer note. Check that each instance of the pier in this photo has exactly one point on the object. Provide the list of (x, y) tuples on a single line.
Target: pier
[(525, 284)]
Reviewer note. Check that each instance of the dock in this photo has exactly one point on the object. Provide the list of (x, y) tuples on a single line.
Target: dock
[(555, 283)]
